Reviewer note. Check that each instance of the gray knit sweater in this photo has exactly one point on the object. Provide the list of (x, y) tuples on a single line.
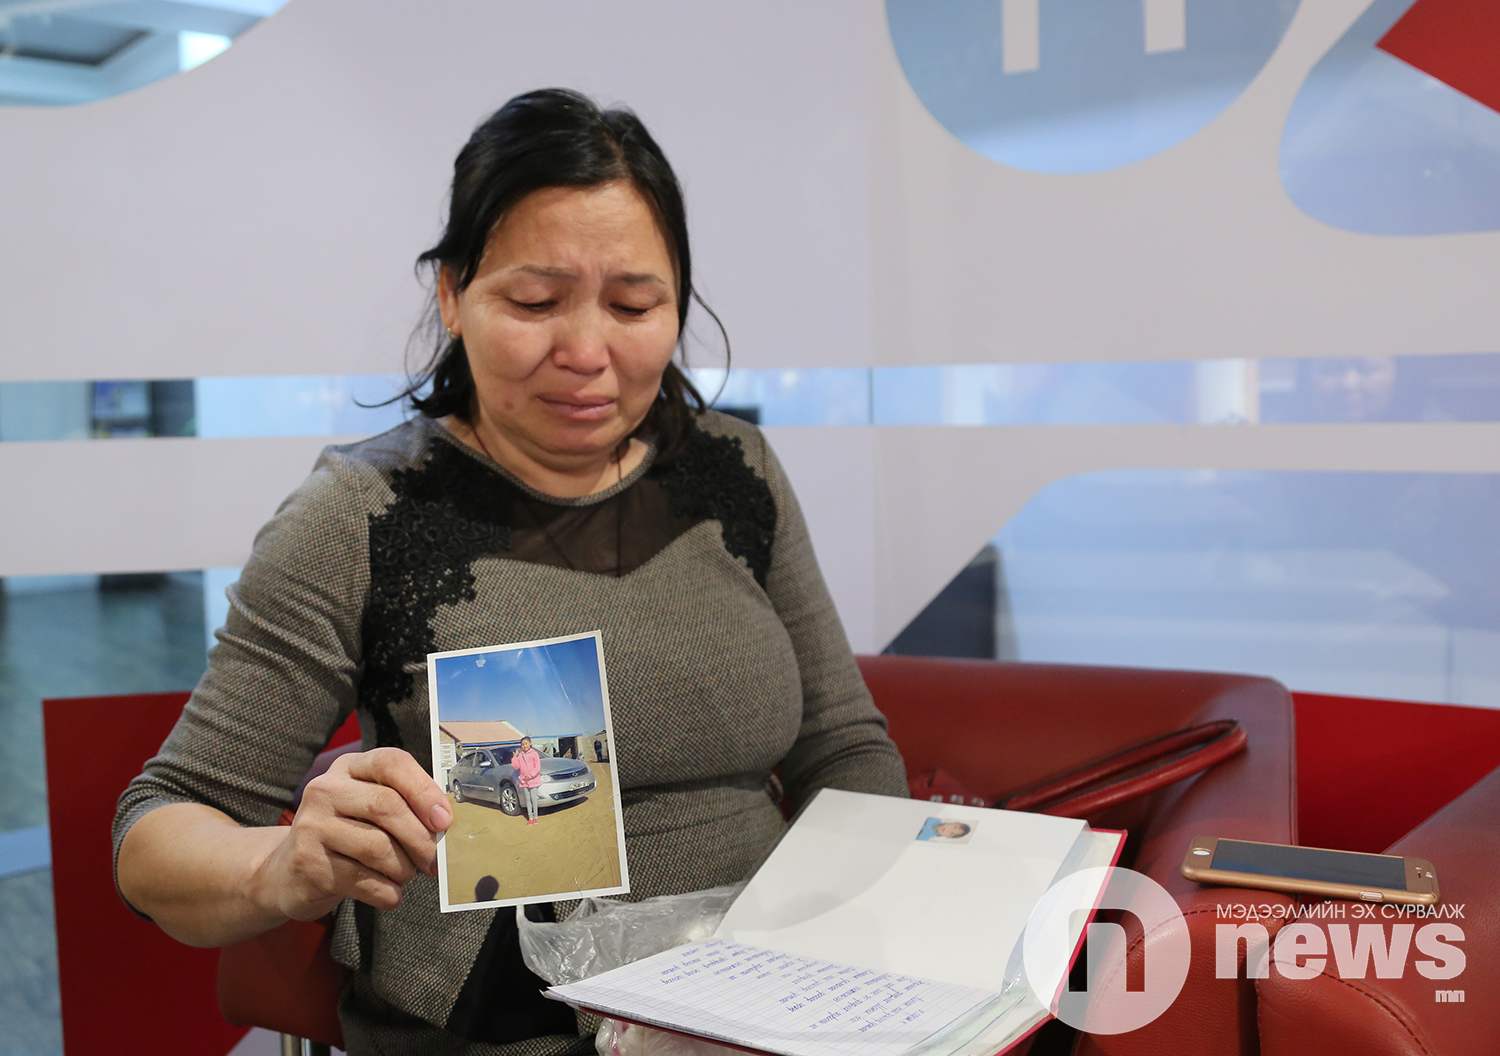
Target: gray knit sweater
[(725, 659)]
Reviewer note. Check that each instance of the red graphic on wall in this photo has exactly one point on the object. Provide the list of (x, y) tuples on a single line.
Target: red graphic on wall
[(1456, 41)]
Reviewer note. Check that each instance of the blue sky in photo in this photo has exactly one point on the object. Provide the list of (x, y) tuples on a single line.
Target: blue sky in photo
[(543, 690)]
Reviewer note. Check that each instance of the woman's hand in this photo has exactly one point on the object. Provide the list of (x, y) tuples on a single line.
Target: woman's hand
[(362, 831)]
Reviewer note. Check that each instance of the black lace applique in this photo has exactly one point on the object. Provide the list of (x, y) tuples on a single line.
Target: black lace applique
[(709, 479), (451, 510), (447, 512)]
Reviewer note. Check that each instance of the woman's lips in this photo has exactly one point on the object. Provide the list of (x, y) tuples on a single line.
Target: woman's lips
[(579, 409)]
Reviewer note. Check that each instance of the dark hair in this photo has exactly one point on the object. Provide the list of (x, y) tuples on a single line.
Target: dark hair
[(553, 137)]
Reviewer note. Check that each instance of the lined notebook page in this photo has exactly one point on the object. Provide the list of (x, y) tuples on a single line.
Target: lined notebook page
[(777, 1002)]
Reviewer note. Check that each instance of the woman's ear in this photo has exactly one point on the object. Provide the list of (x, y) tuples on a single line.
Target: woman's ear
[(447, 296)]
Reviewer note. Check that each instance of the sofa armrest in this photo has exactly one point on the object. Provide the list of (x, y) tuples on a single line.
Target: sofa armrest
[(1360, 1012), (998, 726)]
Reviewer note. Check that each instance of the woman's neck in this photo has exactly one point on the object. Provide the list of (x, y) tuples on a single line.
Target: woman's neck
[(559, 478)]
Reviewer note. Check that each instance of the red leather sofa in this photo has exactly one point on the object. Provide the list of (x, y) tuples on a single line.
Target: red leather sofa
[(994, 727), (1411, 1014)]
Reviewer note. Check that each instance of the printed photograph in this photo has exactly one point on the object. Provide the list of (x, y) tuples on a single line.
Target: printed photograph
[(521, 742), (944, 830)]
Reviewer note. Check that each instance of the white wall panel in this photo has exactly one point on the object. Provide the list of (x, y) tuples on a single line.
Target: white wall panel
[(260, 213), (1194, 253)]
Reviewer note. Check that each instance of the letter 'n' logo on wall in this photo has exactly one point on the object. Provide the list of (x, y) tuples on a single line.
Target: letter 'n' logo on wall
[(1082, 85), (1165, 24)]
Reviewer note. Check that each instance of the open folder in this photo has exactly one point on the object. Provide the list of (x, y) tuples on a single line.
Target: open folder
[(878, 926)]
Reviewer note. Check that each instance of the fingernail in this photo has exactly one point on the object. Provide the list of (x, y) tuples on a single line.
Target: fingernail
[(441, 816)]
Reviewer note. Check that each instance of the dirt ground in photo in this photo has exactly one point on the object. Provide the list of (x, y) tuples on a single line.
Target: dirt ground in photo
[(571, 847)]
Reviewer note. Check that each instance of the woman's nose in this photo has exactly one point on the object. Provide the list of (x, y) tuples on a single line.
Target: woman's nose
[(581, 343)]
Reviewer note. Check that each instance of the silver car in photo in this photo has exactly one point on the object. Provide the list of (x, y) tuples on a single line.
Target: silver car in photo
[(485, 775)]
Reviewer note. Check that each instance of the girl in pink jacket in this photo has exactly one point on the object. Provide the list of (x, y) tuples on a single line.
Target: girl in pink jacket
[(528, 764)]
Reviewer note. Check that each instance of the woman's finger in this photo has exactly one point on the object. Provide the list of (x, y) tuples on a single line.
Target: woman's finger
[(397, 769), (356, 880), (371, 846), (384, 808)]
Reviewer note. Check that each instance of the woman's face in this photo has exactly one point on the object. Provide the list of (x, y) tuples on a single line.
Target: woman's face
[(525, 744), (569, 323)]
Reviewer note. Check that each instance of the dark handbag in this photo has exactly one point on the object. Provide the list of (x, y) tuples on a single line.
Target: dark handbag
[(1135, 771)]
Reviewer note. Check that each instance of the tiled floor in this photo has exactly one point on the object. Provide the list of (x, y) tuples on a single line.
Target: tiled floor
[(77, 643), (65, 644), (29, 1005)]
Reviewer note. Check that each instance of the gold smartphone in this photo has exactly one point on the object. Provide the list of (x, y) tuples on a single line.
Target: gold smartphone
[(1311, 871)]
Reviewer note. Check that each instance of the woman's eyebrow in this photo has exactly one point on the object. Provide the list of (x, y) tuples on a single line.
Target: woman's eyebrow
[(545, 272), (629, 278), (637, 278)]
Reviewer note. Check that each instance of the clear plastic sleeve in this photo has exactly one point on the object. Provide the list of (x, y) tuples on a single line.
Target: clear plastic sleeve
[(603, 934)]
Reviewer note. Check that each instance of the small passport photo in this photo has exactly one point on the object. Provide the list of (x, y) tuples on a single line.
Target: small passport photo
[(946, 830), (522, 745)]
